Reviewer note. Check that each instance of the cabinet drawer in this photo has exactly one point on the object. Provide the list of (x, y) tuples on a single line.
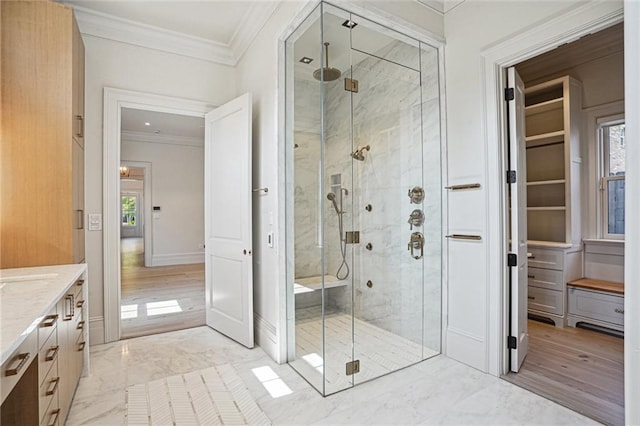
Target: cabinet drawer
[(17, 363), (599, 306), (49, 391), (52, 416), (47, 356), (546, 258), (47, 326), (545, 300), (546, 278)]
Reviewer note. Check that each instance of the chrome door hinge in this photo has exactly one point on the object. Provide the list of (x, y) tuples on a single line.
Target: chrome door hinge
[(353, 367), (351, 85), (352, 237)]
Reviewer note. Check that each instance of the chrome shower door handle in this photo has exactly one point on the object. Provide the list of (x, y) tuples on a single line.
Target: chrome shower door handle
[(416, 243)]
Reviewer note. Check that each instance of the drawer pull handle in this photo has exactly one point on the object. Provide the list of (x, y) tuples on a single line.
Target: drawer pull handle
[(51, 353), (81, 348), (54, 416), (24, 357), (531, 256), (68, 316), (619, 311), (531, 298), (49, 320), (55, 382), (80, 325), (531, 276), (80, 282), (80, 303)]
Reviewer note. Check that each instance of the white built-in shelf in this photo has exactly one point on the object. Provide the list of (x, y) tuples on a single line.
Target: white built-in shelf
[(546, 106), (304, 285), (546, 182), (545, 139), (546, 209)]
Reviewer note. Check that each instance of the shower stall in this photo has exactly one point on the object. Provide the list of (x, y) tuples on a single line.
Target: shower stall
[(364, 200)]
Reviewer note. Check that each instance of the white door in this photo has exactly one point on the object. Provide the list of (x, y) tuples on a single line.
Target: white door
[(518, 204), (228, 234)]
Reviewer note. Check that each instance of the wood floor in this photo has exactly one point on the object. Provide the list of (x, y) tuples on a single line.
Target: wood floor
[(158, 299), (580, 369)]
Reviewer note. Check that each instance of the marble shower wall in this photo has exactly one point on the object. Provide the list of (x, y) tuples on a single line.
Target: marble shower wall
[(387, 115)]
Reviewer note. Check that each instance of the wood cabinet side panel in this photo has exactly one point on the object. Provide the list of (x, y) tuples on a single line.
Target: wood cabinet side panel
[(35, 157)]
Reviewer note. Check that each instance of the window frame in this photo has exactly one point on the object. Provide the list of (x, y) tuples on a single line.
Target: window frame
[(136, 211), (603, 174)]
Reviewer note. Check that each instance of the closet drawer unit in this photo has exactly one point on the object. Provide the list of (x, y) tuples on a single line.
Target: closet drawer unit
[(47, 356), (600, 306), (49, 391), (545, 278), (545, 300), (545, 258)]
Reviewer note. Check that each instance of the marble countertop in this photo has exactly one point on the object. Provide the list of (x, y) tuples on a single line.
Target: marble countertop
[(26, 295)]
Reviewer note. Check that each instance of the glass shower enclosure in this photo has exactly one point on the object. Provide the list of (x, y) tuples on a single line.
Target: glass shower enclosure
[(364, 216)]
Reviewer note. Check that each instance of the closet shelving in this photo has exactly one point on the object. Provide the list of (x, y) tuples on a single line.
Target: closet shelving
[(554, 165), (553, 161)]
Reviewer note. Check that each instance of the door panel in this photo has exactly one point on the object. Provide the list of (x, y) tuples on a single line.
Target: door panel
[(518, 232), (228, 242)]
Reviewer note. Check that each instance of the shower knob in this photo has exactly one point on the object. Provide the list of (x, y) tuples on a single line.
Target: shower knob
[(369, 246), (416, 195), (369, 284), (416, 218), (368, 207)]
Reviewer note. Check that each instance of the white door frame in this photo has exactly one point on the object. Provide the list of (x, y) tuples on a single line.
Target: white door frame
[(114, 101), (147, 223), (578, 22)]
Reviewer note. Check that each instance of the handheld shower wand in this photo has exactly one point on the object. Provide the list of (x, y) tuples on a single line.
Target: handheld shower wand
[(332, 197), (340, 274)]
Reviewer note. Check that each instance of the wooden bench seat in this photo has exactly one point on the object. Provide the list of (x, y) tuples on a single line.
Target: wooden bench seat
[(599, 285)]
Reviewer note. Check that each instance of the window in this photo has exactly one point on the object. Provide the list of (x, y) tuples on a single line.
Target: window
[(612, 185), (129, 210)]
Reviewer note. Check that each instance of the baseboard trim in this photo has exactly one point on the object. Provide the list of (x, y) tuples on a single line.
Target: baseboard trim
[(266, 337), (96, 331), (176, 259)]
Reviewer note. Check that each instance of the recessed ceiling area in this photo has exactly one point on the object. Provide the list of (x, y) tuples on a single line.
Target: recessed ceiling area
[(161, 123)]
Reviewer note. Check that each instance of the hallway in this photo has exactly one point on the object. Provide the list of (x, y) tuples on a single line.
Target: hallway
[(159, 299)]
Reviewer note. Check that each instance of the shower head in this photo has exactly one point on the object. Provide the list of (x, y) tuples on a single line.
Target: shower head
[(332, 197), (327, 73), (358, 154)]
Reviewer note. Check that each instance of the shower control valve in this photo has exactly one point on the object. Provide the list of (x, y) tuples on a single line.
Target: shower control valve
[(416, 245), (416, 195), (416, 218)]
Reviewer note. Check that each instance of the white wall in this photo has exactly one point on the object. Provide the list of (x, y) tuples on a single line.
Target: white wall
[(471, 28), (257, 72), (114, 64), (177, 187)]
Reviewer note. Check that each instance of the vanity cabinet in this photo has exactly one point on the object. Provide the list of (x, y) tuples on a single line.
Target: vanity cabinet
[(40, 376), (42, 133)]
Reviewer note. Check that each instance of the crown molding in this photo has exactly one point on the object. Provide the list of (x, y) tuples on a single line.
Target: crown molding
[(110, 27), (251, 24), (162, 139)]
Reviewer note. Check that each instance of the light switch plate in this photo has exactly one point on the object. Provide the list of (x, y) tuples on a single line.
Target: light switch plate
[(95, 222)]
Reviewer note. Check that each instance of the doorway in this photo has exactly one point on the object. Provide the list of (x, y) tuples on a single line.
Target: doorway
[(162, 222), (572, 182)]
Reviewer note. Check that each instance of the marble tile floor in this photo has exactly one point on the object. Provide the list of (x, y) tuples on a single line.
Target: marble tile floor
[(437, 391)]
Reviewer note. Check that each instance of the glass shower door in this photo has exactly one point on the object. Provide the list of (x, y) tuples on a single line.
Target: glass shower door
[(387, 162)]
